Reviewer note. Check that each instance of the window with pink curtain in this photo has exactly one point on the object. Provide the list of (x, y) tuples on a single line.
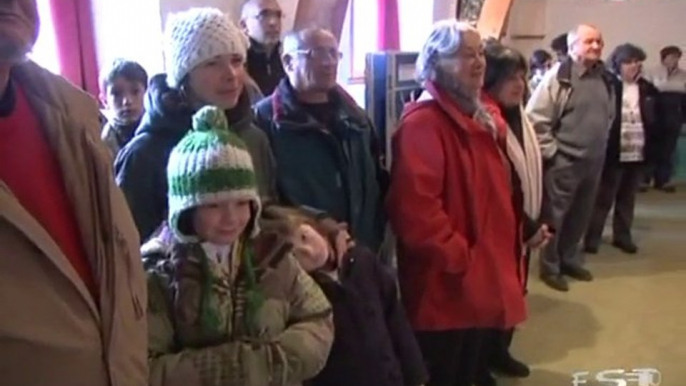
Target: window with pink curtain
[(357, 39), (75, 36), (369, 26), (45, 52)]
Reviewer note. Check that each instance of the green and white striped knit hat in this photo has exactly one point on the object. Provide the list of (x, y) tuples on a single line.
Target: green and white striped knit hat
[(209, 165)]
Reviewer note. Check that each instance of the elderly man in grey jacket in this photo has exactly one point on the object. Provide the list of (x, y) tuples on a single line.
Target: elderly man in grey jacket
[(571, 110)]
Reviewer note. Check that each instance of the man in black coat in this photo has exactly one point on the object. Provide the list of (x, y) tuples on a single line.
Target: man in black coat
[(261, 20), (670, 80), (326, 149)]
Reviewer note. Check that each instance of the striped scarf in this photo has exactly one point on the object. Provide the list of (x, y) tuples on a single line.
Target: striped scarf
[(247, 298)]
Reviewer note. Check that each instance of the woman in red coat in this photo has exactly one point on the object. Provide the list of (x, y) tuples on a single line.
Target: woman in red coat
[(450, 205)]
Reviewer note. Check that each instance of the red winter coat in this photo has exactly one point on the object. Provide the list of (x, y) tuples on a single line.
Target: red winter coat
[(450, 205)]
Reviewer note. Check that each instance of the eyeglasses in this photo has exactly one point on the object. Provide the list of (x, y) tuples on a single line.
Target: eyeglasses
[(266, 14), (321, 53)]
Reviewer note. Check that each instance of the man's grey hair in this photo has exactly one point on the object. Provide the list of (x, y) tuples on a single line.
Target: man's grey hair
[(573, 35), (445, 39)]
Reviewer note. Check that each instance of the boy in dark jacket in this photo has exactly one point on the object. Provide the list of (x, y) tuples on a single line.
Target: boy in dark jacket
[(123, 87), (373, 343)]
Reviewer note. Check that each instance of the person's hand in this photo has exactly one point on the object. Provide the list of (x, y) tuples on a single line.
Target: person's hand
[(342, 243), (310, 248), (541, 238)]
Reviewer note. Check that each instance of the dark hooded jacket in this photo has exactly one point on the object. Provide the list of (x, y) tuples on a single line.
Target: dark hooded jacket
[(141, 166), (265, 68), (334, 167), (373, 344)]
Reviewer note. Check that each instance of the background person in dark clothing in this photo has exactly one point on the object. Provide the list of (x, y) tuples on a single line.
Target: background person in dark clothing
[(631, 137), (670, 79), (559, 47), (504, 88), (324, 143), (261, 20), (206, 57), (540, 63), (123, 88), (374, 344)]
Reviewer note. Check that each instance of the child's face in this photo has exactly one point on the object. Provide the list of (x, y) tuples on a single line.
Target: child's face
[(125, 98), (310, 248), (222, 223)]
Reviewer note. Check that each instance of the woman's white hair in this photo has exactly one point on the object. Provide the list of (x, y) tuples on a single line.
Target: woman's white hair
[(445, 39)]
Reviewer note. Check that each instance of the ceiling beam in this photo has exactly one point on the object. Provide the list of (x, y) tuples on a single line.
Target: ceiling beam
[(493, 18)]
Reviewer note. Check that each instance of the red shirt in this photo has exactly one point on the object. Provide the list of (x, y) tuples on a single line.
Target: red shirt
[(29, 167)]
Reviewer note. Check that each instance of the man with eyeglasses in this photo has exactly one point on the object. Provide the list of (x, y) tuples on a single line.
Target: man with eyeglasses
[(261, 20), (324, 143)]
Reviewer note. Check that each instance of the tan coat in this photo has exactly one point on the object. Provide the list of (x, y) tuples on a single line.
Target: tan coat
[(287, 343), (52, 332)]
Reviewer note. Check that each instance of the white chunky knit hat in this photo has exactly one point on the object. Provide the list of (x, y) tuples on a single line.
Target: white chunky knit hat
[(197, 35)]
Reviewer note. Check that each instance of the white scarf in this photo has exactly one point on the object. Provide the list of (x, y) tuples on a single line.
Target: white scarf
[(528, 166)]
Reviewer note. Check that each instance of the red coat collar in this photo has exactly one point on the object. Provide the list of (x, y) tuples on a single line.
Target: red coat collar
[(461, 118)]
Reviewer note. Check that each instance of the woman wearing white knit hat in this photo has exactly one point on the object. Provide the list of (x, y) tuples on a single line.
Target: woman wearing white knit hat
[(205, 54), (228, 304)]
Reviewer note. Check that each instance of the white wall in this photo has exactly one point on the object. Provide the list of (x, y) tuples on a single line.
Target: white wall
[(141, 39), (650, 24), (443, 9), (233, 7)]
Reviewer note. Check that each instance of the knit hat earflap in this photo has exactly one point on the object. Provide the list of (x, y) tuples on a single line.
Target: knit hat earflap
[(210, 165), (197, 35)]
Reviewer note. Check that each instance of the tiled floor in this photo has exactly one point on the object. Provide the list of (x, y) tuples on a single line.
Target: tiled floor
[(632, 316)]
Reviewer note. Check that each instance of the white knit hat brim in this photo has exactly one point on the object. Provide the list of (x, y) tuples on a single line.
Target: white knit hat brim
[(197, 35), (214, 158)]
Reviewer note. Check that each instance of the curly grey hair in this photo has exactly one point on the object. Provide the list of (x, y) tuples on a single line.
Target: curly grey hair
[(445, 39)]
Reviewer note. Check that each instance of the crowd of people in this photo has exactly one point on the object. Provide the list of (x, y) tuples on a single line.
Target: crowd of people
[(223, 225)]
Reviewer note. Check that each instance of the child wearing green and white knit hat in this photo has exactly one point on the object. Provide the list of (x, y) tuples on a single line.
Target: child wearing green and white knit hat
[(210, 165), (232, 298), (213, 203)]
